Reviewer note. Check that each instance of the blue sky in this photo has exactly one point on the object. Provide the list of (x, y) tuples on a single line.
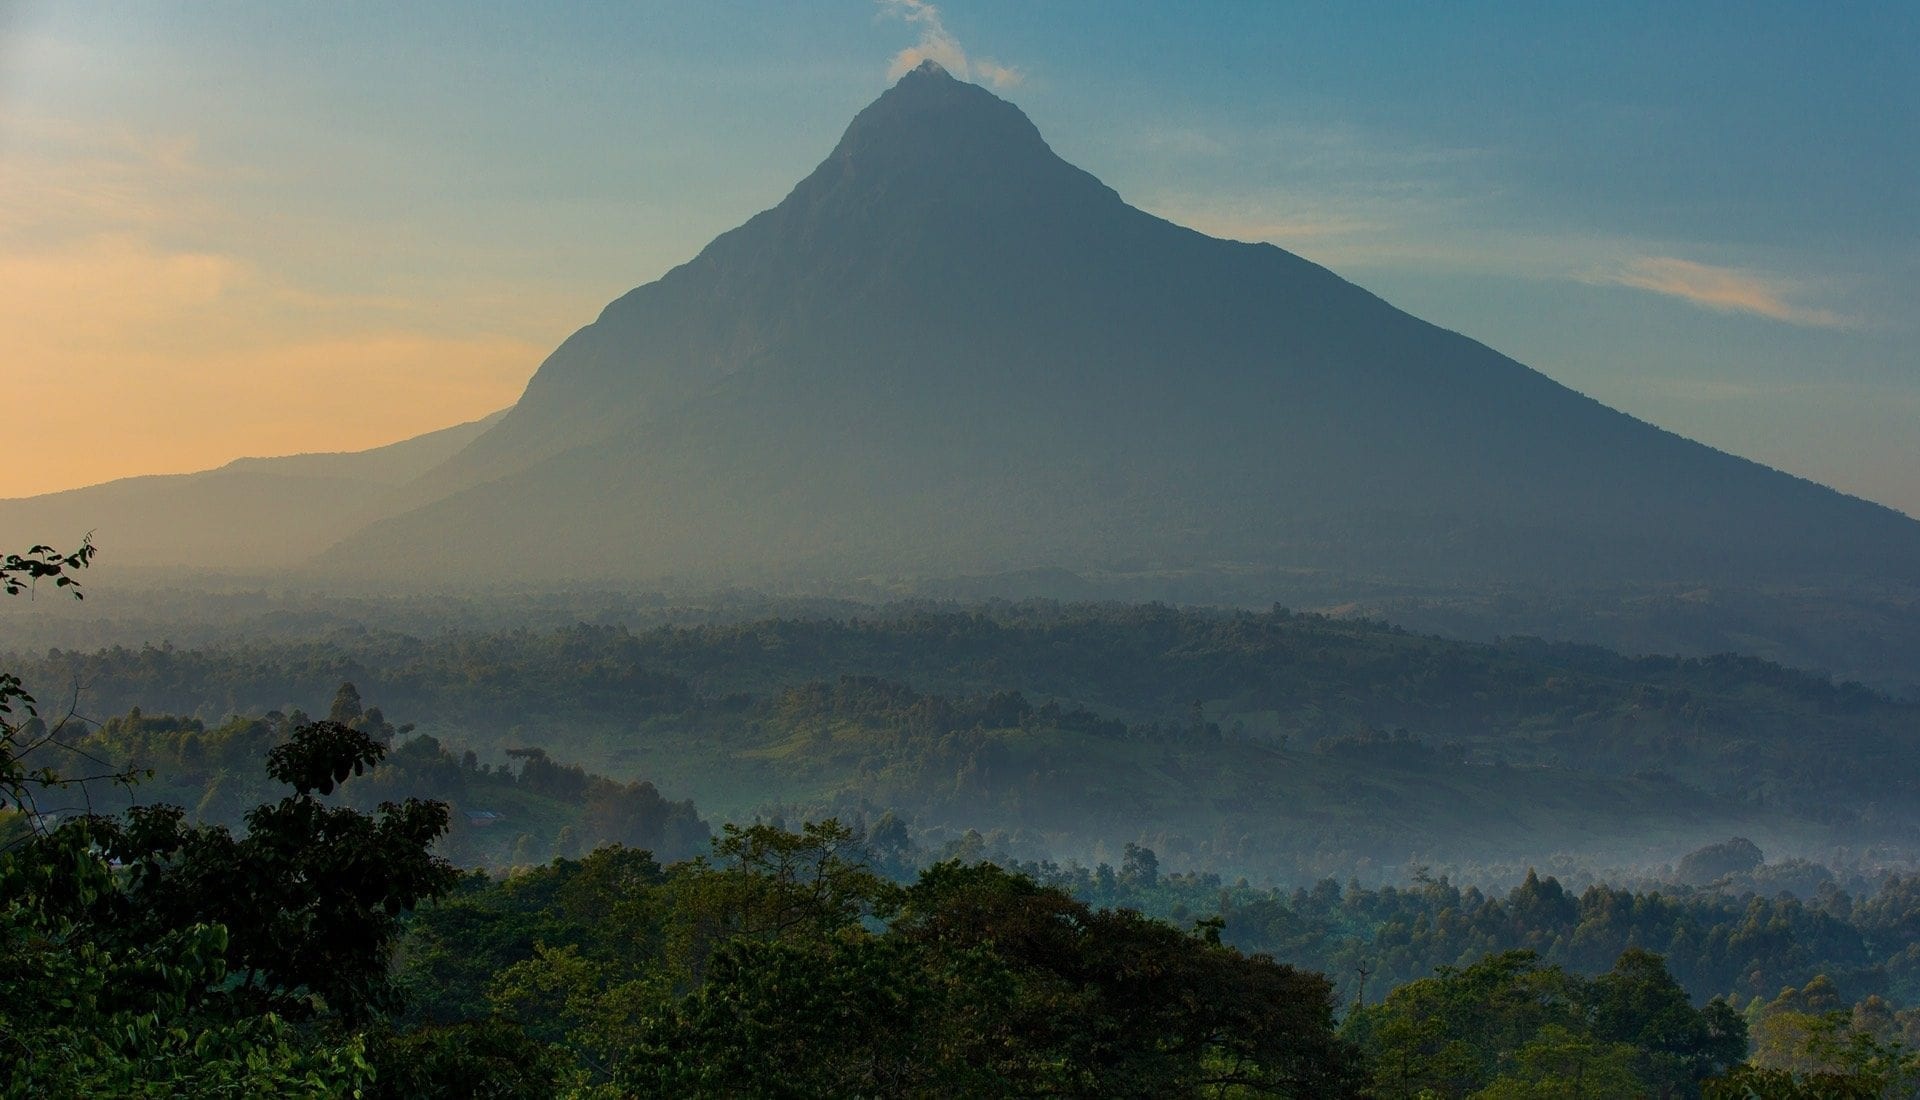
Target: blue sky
[(246, 228)]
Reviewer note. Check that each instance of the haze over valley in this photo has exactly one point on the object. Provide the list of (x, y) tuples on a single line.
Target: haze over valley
[(970, 582)]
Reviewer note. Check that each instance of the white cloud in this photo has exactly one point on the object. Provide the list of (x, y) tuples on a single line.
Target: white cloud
[(938, 45), (996, 74)]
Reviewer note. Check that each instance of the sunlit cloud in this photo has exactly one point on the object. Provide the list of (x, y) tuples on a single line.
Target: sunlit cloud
[(94, 290), (1726, 289), (1337, 194), (1446, 228), (996, 74), (59, 177), (1335, 227), (1272, 230), (939, 46), (1364, 201)]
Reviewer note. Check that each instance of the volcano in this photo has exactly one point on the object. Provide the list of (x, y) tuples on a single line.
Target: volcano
[(950, 352)]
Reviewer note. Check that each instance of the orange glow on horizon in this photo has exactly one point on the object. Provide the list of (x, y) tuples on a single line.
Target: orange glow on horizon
[(136, 361)]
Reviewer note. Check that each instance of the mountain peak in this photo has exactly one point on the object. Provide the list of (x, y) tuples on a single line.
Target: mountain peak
[(947, 132), (929, 85)]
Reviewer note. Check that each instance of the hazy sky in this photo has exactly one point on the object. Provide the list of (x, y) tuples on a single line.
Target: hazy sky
[(233, 229)]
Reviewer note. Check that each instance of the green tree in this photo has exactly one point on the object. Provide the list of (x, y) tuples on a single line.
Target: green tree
[(1638, 1003), (311, 896), (346, 708), (1808, 1047), (1448, 1034), (1509, 1024), (856, 1016), (481, 1058), (1107, 1002), (1561, 1064), (764, 883), (96, 999), (1139, 867)]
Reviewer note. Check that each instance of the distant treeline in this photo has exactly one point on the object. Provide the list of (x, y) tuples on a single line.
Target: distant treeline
[(1280, 744), (518, 813), (1744, 947)]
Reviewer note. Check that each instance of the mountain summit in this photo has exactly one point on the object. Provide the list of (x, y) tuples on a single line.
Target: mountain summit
[(948, 351), (946, 130)]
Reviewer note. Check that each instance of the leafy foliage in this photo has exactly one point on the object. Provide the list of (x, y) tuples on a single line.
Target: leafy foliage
[(24, 572), (488, 1058), (22, 732), (209, 966), (783, 965), (1507, 1026), (311, 894)]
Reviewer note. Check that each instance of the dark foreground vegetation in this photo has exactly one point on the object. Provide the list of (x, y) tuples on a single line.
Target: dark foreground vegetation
[(324, 950), (282, 911), (145, 955)]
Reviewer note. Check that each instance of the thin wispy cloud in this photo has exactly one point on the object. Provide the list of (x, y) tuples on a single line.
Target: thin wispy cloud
[(1724, 289), (938, 45), (63, 178), (1358, 201), (1239, 224), (1334, 191), (1184, 142)]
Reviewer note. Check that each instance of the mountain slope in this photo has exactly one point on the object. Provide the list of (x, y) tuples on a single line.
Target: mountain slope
[(251, 514), (949, 351)]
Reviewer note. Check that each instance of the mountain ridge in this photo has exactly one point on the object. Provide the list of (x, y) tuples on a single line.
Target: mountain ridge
[(250, 514)]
